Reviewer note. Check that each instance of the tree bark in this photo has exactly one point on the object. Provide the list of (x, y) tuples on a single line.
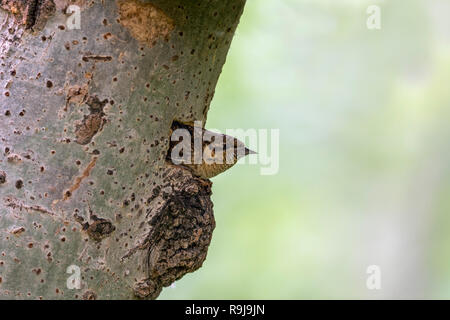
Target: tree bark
[(85, 119)]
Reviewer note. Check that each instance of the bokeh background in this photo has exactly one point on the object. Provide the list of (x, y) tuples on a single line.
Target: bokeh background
[(364, 179)]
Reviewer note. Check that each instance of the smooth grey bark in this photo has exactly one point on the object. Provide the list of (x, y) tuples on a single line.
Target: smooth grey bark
[(85, 119)]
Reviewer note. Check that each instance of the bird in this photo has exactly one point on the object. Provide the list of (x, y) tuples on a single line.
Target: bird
[(218, 153)]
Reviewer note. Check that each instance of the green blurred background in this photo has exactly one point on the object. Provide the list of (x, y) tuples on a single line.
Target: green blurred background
[(364, 119)]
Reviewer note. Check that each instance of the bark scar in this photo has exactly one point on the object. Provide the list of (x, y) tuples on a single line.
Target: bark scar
[(96, 57), (16, 204), (78, 180), (92, 123)]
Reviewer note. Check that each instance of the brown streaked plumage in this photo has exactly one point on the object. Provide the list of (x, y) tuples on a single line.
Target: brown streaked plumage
[(211, 164)]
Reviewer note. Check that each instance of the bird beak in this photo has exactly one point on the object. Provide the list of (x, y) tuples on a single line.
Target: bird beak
[(248, 151)]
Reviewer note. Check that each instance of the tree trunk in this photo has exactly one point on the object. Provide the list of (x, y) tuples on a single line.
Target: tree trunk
[(85, 191)]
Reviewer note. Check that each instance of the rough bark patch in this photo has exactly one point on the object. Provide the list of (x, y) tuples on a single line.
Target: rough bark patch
[(145, 22), (98, 229), (89, 295), (182, 222), (88, 128), (76, 94), (92, 123), (16, 7), (31, 13)]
